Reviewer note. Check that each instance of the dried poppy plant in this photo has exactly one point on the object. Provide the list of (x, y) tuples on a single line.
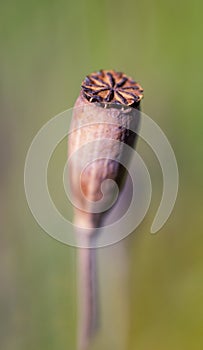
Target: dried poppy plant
[(114, 99)]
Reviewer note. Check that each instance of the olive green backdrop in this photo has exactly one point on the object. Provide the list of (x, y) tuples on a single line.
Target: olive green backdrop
[(47, 47)]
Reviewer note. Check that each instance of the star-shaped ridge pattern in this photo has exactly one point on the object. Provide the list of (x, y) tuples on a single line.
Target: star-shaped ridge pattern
[(109, 86)]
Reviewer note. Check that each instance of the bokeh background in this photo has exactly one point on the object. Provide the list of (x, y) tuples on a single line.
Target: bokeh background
[(47, 47)]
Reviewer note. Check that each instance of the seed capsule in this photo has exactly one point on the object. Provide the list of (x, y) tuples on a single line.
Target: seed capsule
[(121, 97)]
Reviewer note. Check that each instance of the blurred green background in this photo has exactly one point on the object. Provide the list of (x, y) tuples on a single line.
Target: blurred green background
[(47, 47)]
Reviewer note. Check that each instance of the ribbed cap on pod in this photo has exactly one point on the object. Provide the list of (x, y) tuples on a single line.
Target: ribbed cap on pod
[(111, 87)]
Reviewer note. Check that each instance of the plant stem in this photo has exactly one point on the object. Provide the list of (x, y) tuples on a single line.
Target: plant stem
[(87, 295)]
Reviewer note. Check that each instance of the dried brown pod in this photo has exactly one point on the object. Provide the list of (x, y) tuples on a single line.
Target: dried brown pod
[(107, 108), (87, 112)]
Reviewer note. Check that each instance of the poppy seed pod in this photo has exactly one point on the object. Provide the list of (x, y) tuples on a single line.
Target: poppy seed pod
[(107, 107)]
